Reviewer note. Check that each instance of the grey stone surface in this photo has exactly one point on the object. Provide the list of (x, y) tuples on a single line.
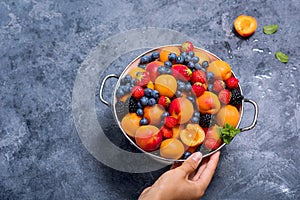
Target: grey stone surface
[(44, 44)]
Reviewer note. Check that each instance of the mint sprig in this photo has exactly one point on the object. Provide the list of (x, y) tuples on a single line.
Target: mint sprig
[(228, 132)]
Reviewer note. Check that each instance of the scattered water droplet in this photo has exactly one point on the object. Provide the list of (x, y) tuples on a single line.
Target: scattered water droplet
[(258, 50)]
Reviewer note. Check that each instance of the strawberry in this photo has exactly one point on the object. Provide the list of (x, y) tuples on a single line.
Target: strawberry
[(142, 79), (198, 89), (166, 132), (164, 101), (232, 82), (138, 92), (170, 121), (218, 85), (198, 76), (181, 72), (224, 96), (187, 46)]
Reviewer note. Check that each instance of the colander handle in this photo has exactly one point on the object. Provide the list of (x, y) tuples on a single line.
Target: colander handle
[(255, 115), (102, 88)]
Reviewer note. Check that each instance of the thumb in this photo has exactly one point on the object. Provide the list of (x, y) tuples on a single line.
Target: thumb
[(191, 164)]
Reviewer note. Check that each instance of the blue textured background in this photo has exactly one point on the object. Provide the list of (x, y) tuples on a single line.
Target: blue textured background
[(42, 45)]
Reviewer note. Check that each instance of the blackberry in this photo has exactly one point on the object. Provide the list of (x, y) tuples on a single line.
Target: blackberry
[(120, 109), (236, 97), (207, 120), (132, 104)]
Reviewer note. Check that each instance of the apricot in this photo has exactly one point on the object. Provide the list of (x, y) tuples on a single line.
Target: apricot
[(152, 69), (176, 130), (245, 25), (208, 102), (182, 109), (153, 113), (228, 114), (164, 53), (202, 56), (166, 85), (213, 132), (133, 71), (148, 137), (193, 135), (130, 123), (221, 69), (171, 148)]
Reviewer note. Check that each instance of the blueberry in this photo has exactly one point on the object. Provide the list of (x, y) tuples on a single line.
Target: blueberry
[(195, 120), (186, 154), (187, 58), (161, 70), (144, 121), (191, 65), (148, 92), (165, 114), (120, 92), (179, 59), (145, 59), (123, 81), (198, 66), (210, 76), (139, 105), (155, 94), (168, 64), (197, 114), (205, 64), (181, 86), (143, 66), (188, 87), (151, 102), (140, 112), (191, 53), (178, 93), (184, 54), (195, 59), (172, 57), (210, 87), (168, 71), (155, 55), (144, 101), (191, 98)]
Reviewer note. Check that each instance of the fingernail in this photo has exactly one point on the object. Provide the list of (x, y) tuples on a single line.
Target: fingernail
[(197, 156)]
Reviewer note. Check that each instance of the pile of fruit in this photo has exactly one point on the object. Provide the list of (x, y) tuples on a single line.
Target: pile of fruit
[(176, 100)]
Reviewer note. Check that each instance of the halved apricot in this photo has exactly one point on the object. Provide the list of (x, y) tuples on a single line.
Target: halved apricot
[(193, 135), (245, 25), (171, 148)]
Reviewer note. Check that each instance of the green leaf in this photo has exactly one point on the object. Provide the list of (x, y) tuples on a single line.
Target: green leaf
[(270, 29), (282, 57), (228, 132)]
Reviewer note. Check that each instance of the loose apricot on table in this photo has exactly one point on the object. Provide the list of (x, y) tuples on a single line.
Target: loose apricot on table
[(245, 25)]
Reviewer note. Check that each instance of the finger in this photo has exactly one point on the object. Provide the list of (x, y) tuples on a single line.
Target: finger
[(209, 170), (191, 164), (175, 165), (201, 169)]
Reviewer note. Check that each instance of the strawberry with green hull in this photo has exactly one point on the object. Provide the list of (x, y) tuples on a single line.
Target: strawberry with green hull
[(187, 47), (181, 72), (218, 86), (224, 96), (198, 89), (142, 79), (198, 76), (164, 101)]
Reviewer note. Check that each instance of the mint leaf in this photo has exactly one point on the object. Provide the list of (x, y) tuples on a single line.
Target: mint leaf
[(270, 29), (228, 132), (282, 57)]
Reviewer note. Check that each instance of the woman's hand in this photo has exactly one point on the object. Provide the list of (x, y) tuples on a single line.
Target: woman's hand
[(184, 182)]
